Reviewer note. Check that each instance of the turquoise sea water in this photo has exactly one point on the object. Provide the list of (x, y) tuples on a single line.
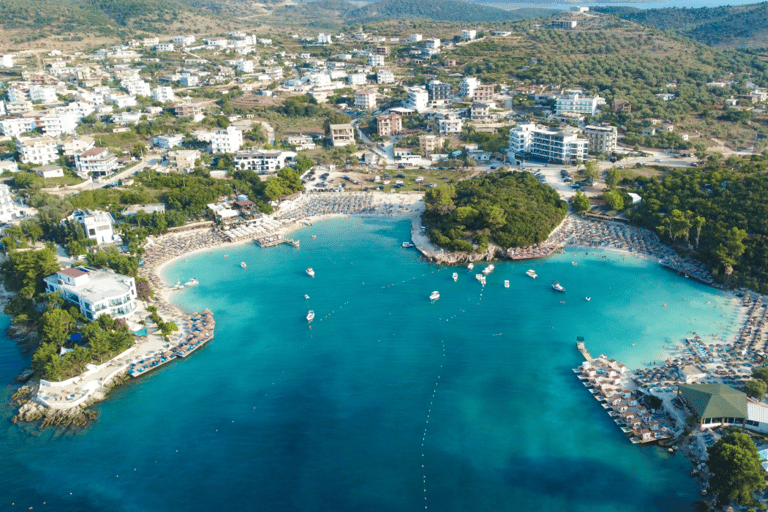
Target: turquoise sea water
[(389, 402)]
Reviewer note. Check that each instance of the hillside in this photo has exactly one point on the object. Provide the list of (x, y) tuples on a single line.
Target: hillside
[(744, 26), (441, 10)]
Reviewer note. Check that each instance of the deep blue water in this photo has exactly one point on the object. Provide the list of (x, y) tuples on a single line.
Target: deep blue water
[(389, 399)]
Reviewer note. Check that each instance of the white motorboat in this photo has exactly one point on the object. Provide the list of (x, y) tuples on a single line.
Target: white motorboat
[(434, 295), (506, 283), (310, 315), (482, 280), (408, 245), (531, 273), (479, 277), (487, 270), (557, 287), (306, 296), (455, 276), (191, 282), (310, 272), (243, 265), (470, 267), (587, 299)]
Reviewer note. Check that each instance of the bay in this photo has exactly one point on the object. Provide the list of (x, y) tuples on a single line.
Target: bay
[(389, 401)]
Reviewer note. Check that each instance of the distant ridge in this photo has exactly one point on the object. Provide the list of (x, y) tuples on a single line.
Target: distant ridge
[(439, 10), (742, 26)]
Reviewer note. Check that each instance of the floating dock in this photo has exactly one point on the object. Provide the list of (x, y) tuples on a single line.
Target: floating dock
[(272, 241)]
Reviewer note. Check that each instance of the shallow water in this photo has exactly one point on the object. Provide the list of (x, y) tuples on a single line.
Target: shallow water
[(389, 402)]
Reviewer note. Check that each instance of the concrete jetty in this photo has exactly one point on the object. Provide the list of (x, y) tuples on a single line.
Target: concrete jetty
[(584, 351)]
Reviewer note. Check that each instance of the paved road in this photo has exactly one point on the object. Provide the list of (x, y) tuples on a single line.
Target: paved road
[(148, 160)]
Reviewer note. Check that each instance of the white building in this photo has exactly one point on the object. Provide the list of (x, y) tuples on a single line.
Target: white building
[(49, 171), (529, 141), (43, 94), (163, 94), (136, 87), (95, 292), (122, 100), (183, 159), (98, 161), (385, 76), (8, 210), (365, 99), (450, 124), (164, 47), (468, 86), (168, 141), (432, 44), (149, 42), (300, 141), (602, 139), (324, 39), (468, 35), (418, 99), (414, 38), (262, 161), (16, 126), (245, 66), (574, 101), (97, 225), (38, 150), (8, 165), (226, 141), (375, 60), (357, 79), (183, 40), (6, 61), (55, 125)]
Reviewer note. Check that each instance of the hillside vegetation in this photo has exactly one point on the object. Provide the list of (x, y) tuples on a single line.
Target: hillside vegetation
[(439, 10), (744, 26)]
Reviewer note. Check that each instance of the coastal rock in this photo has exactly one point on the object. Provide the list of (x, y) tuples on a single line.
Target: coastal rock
[(25, 375)]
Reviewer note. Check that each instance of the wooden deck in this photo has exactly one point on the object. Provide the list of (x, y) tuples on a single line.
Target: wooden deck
[(272, 241)]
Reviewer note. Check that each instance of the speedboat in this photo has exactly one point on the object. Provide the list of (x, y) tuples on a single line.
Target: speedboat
[(482, 280), (310, 272), (408, 245), (434, 295), (506, 283), (587, 299), (310, 315), (455, 276), (487, 270), (531, 273), (557, 287), (479, 277), (306, 296), (243, 265), (470, 267), (191, 282)]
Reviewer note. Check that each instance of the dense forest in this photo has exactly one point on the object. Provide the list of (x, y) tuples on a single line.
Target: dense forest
[(508, 209), (743, 26), (716, 213)]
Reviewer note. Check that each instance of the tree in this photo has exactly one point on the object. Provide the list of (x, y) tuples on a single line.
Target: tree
[(756, 388), (43, 356), (761, 373), (55, 326), (591, 171), (735, 469), (440, 199), (698, 223), (614, 200), (580, 202), (139, 149), (613, 177)]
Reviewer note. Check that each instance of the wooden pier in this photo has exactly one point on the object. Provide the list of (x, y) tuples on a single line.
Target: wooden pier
[(272, 241), (583, 350)]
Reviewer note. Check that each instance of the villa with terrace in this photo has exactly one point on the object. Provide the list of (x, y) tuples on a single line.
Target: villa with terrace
[(95, 292)]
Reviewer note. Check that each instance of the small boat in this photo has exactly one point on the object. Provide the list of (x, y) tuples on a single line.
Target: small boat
[(506, 283), (310, 315), (587, 299), (557, 287), (310, 272), (574, 263), (408, 245), (470, 267), (434, 295), (314, 236), (482, 280), (455, 276), (191, 282), (306, 296), (531, 273), (487, 270), (479, 277), (243, 265)]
